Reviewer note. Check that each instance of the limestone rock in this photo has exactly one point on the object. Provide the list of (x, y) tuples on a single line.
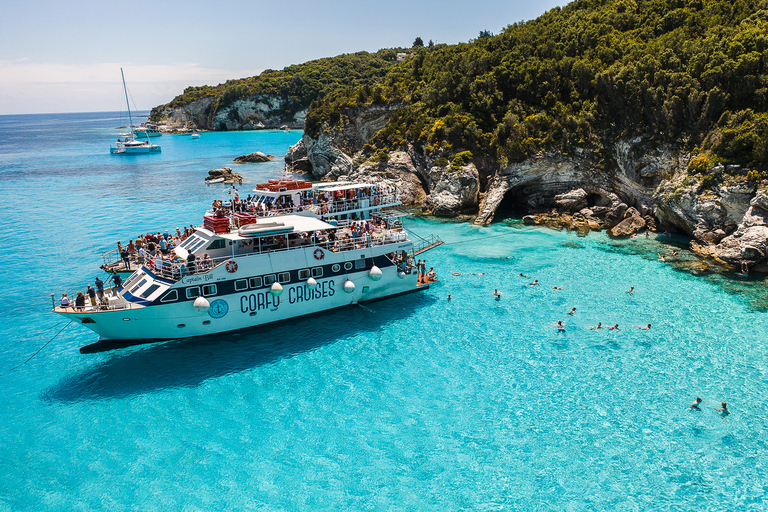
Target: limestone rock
[(454, 191), (258, 156), (628, 226), (226, 173), (571, 201)]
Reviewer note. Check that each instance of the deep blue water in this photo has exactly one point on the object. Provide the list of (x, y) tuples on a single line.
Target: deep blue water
[(413, 403)]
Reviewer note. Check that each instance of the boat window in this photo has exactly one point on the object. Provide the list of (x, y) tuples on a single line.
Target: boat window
[(268, 280), (219, 243), (317, 272), (241, 284), (149, 291), (197, 245), (304, 273), (284, 277), (127, 284), (190, 241), (193, 292), (348, 266), (336, 267), (170, 296), (209, 289), (255, 282), (359, 264), (141, 283)]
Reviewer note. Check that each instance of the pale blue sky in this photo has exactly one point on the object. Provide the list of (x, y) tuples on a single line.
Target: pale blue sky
[(65, 56)]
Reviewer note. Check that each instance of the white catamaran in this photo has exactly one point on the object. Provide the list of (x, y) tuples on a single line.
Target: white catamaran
[(331, 245), (127, 143)]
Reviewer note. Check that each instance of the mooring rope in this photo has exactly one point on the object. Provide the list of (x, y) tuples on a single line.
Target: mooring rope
[(37, 352)]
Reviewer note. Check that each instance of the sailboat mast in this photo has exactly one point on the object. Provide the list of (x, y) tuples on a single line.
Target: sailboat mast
[(125, 90)]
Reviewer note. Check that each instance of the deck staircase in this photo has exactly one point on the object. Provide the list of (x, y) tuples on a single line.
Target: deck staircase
[(427, 244)]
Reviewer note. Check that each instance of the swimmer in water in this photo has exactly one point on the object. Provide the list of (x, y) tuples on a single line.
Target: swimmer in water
[(522, 275), (614, 328), (598, 326), (560, 326), (557, 288), (723, 410), (646, 328), (534, 283), (572, 311), (695, 405), (631, 289), (661, 258), (449, 296), (496, 294)]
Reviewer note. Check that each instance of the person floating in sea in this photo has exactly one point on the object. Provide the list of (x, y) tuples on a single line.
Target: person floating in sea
[(560, 326), (723, 410), (661, 258), (496, 294), (572, 311), (695, 405), (631, 289), (449, 296), (598, 326), (614, 328), (523, 275), (534, 283), (646, 328), (557, 287)]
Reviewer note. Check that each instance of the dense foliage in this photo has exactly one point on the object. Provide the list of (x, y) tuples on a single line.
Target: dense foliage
[(298, 85), (685, 71)]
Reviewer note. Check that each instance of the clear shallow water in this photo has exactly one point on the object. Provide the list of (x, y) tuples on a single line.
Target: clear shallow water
[(413, 403)]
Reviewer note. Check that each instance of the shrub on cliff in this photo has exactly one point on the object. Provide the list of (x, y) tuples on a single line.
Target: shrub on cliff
[(585, 74)]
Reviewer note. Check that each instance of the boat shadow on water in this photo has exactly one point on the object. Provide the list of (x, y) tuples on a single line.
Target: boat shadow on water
[(186, 363)]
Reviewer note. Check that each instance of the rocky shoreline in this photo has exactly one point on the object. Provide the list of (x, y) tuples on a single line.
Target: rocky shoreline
[(639, 186)]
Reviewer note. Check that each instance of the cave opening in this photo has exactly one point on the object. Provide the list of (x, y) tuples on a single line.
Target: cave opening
[(514, 204)]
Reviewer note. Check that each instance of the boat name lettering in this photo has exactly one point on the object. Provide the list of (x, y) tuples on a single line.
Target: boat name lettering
[(300, 293), (258, 301), (196, 279)]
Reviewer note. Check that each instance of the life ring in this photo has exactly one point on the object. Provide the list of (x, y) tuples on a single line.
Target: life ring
[(456, 274), (319, 254), (231, 266)]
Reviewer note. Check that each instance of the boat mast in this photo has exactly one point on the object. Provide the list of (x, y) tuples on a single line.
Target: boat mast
[(130, 120)]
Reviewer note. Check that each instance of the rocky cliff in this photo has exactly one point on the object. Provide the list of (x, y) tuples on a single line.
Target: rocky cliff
[(258, 112), (634, 185)]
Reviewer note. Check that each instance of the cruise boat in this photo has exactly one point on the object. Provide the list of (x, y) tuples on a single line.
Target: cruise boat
[(240, 270)]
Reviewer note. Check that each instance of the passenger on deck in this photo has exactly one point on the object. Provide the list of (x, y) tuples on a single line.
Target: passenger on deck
[(65, 300), (80, 301)]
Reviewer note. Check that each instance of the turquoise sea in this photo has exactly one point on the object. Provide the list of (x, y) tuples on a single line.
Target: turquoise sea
[(412, 403)]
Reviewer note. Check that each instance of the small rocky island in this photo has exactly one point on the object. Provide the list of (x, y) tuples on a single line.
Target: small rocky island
[(258, 156), (216, 175)]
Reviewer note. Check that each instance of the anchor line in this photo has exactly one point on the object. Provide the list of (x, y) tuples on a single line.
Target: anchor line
[(37, 352)]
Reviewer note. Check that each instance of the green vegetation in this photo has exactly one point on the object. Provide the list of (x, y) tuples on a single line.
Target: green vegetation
[(691, 72), (298, 85)]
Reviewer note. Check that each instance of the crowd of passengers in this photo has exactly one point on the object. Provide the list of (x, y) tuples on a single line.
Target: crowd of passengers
[(155, 250), (326, 201)]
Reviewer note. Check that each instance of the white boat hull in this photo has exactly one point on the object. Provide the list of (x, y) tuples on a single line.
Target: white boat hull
[(259, 306)]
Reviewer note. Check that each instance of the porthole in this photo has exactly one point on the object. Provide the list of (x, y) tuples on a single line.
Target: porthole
[(336, 267), (348, 266)]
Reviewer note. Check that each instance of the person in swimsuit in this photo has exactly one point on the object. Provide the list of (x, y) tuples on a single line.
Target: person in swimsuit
[(572, 311), (614, 328), (496, 294), (695, 405), (631, 289), (534, 283), (598, 326), (521, 275), (560, 327), (723, 410), (647, 328)]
